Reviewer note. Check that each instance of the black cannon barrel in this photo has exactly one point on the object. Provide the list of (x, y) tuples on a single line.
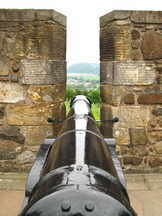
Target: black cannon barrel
[(76, 175)]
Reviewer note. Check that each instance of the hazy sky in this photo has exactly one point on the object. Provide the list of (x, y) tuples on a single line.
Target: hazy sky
[(83, 21)]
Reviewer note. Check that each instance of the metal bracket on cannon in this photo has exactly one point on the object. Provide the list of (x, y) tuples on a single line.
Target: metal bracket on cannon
[(114, 120), (111, 144)]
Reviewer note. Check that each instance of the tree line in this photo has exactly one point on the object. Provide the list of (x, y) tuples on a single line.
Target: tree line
[(93, 94)]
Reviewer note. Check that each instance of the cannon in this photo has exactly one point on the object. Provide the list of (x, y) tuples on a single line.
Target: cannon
[(78, 172)]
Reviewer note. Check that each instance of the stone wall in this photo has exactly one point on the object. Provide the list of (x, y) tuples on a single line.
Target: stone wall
[(131, 86), (32, 82)]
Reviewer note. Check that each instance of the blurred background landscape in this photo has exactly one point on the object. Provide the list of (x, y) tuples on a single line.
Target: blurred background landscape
[(84, 78)]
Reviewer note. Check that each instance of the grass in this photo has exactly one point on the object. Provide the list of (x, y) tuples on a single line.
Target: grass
[(95, 109)]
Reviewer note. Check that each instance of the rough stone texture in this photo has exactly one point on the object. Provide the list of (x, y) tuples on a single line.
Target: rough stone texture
[(38, 132), (32, 82), (122, 136), (11, 92), (9, 149), (152, 50), (114, 37), (158, 147), (35, 114), (32, 15), (138, 17), (4, 69), (128, 72), (155, 161), (11, 133), (136, 150), (2, 113), (157, 111), (138, 136), (129, 116), (150, 98), (13, 166), (46, 93), (112, 94), (26, 157), (134, 160), (107, 127), (129, 99), (160, 122), (131, 85), (37, 37), (37, 72), (156, 135)]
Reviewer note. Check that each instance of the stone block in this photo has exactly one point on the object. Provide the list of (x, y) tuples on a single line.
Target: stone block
[(133, 160), (106, 72), (26, 157), (149, 17), (155, 135), (35, 114), (154, 98), (13, 166), (155, 161), (129, 99), (45, 72), (138, 17), (31, 15), (106, 126), (128, 73), (160, 122), (151, 45), (4, 69), (2, 113), (112, 94), (35, 135), (136, 150), (114, 15), (129, 116), (157, 111), (11, 133), (46, 93), (11, 92), (114, 37), (135, 34), (122, 136), (9, 149), (138, 136), (152, 124), (158, 147)]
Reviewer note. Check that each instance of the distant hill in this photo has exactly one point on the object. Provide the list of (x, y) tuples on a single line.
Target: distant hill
[(84, 67)]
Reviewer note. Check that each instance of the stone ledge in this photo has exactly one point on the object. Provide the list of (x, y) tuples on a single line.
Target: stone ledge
[(149, 17), (32, 15)]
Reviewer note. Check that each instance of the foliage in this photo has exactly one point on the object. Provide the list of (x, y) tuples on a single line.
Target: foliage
[(96, 111), (93, 95)]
